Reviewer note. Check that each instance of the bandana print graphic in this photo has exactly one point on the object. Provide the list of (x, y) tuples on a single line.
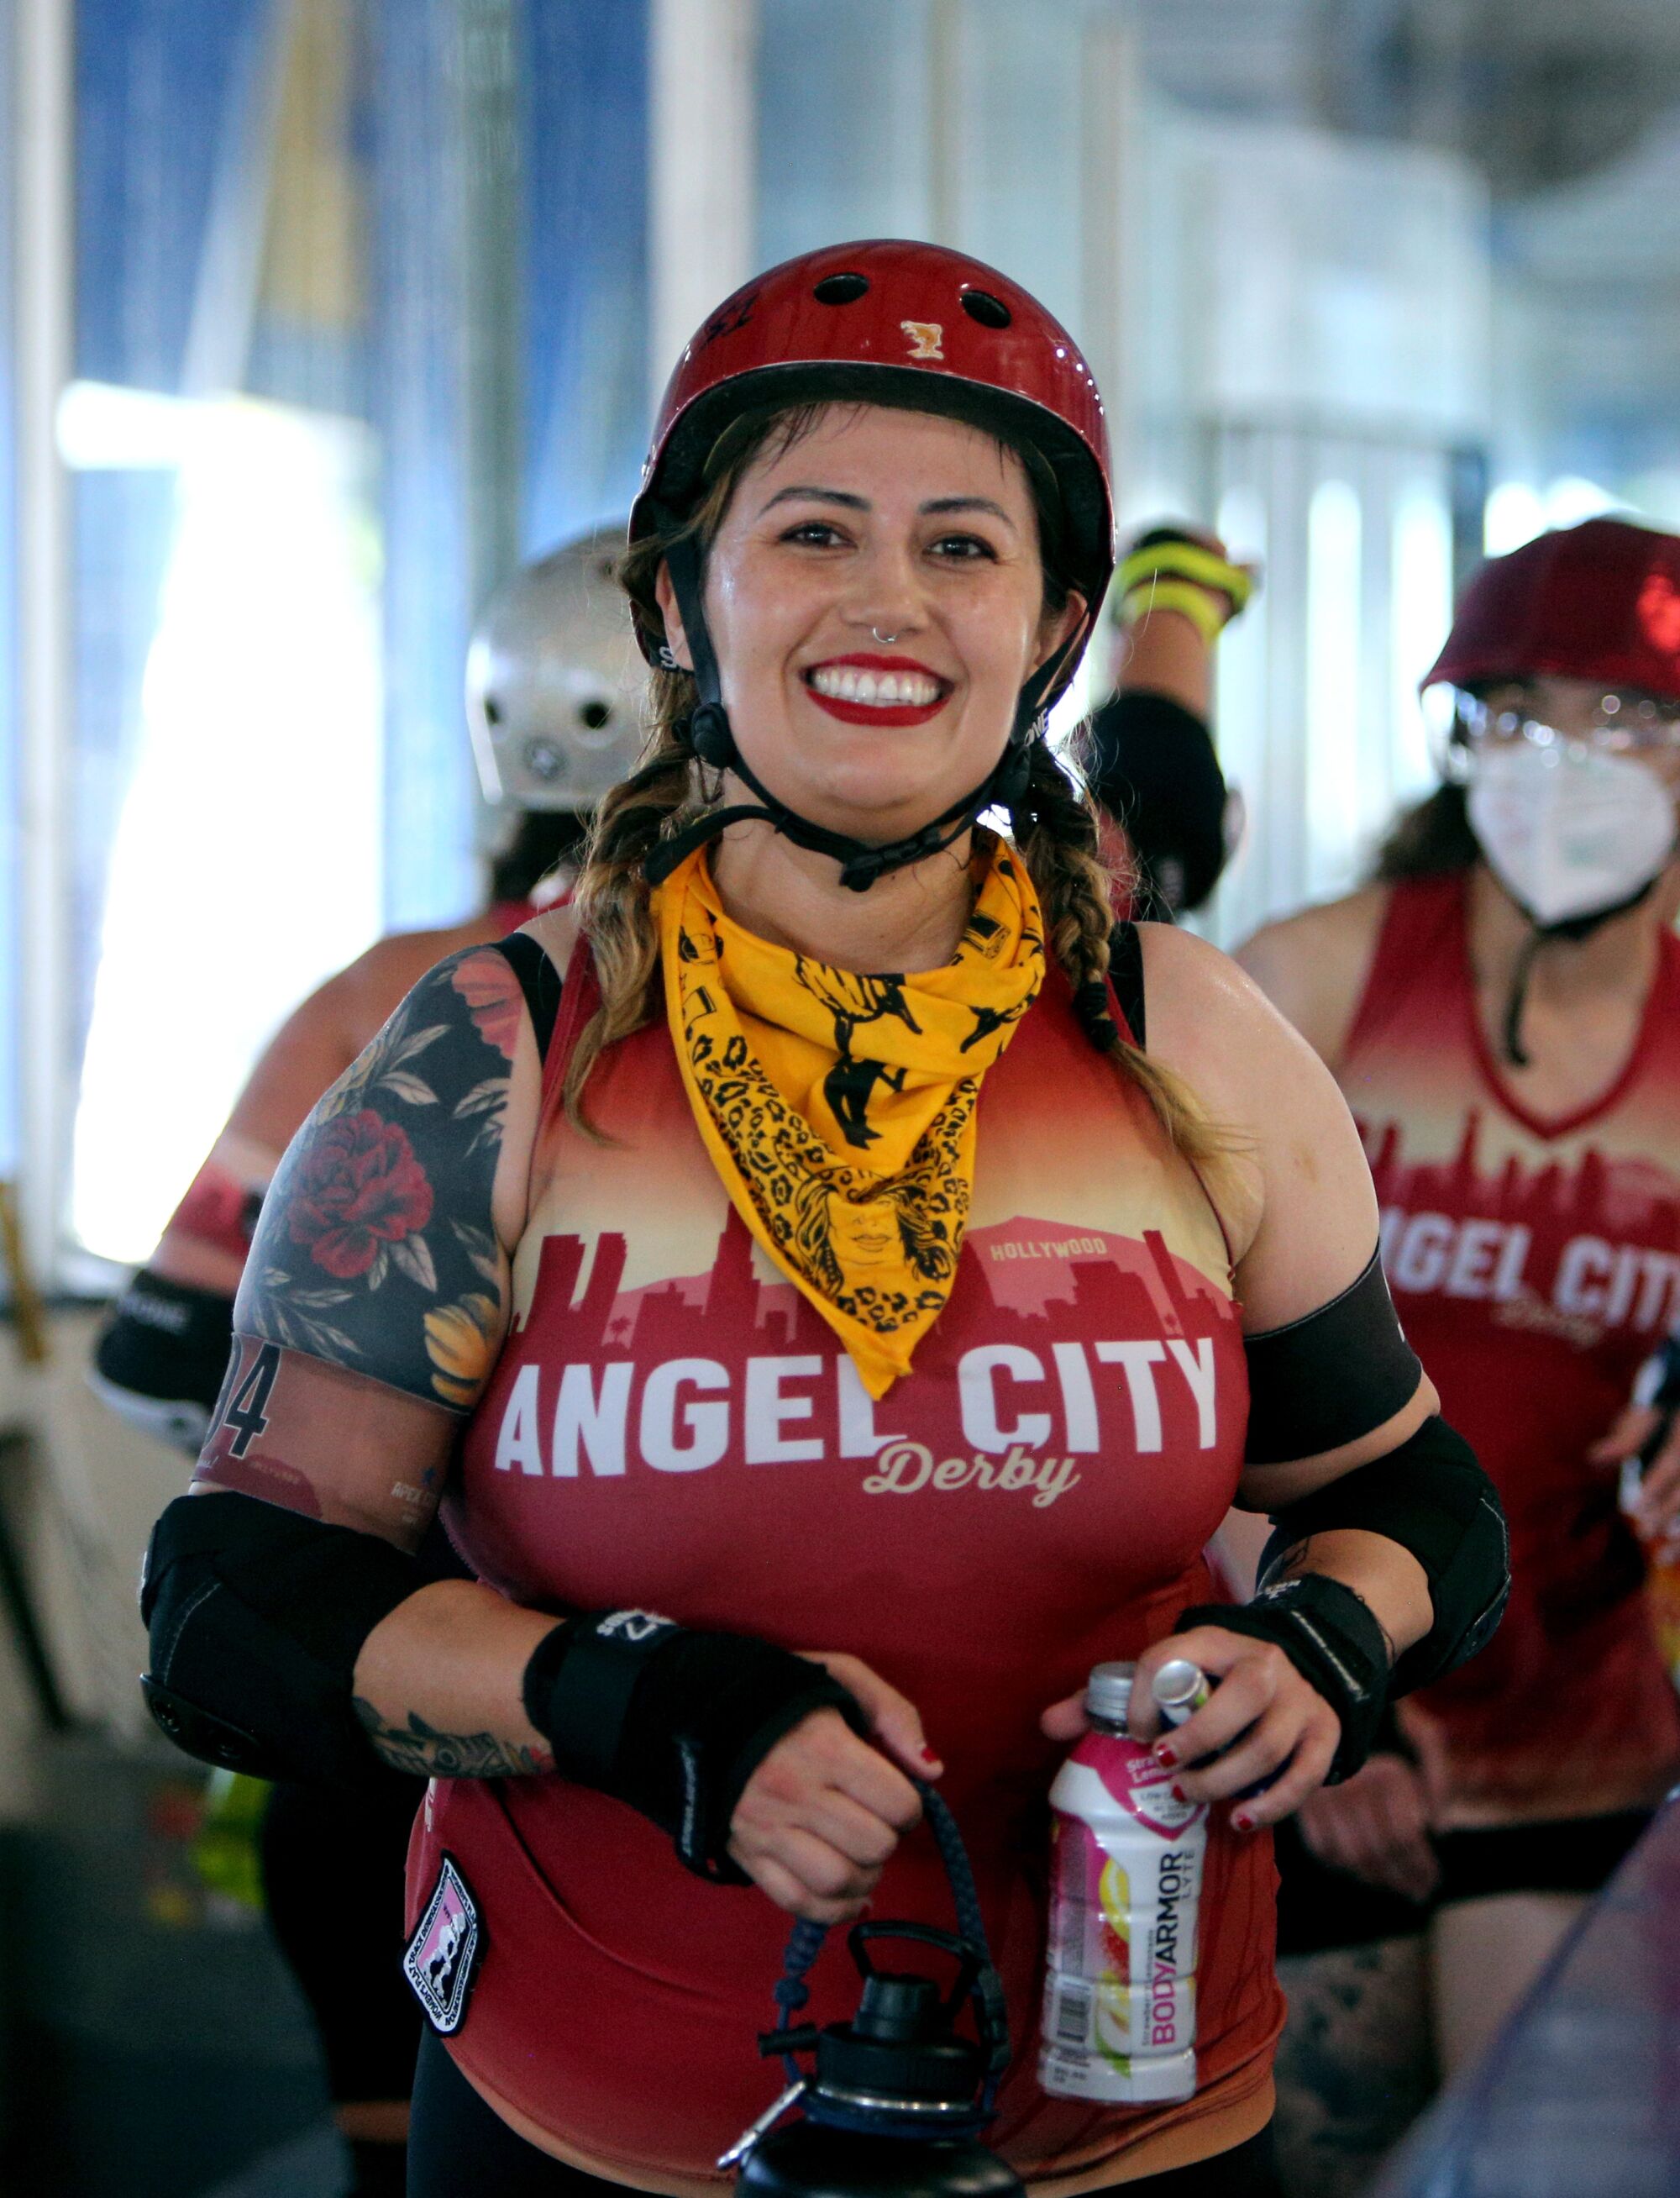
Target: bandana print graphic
[(837, 1107)]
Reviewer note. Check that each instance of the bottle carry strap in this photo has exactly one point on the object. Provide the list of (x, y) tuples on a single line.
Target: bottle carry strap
[(991, 2013)]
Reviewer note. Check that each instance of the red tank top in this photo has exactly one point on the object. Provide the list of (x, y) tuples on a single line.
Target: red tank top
[(671, 1426), (1534, 1265)]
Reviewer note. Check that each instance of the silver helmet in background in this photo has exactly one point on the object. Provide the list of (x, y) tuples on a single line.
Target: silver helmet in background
[(555, 681)]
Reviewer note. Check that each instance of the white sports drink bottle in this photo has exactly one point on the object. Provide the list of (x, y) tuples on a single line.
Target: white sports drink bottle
[(1125, 1885)]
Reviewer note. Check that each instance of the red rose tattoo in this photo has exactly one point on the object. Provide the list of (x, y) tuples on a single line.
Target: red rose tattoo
[(360, 1189)]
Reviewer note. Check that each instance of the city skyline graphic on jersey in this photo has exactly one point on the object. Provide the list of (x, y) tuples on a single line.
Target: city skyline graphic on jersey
[(1553, 1192), (1022, 1280)]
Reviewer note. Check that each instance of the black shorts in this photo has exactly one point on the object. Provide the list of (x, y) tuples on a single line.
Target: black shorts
[(332, 1866), (458, 2143), (1319, 1907)]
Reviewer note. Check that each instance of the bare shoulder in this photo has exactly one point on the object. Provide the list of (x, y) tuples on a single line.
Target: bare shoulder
[(556, 930), (1211, 1023), (1297, 1168), (1313, 966)]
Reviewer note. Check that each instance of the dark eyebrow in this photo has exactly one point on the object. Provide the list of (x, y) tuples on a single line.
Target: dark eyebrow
[(970, 503), (818, 496), (939, 505)]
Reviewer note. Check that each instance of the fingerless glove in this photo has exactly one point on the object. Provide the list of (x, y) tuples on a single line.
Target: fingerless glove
[(672, 1721), (1330, 1636)]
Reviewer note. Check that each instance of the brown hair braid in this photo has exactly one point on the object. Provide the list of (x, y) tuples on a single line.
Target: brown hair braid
[(1056, 824)]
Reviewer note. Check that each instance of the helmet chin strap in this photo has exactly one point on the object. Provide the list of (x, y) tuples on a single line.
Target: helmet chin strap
[(1571, 928), (861, 862)]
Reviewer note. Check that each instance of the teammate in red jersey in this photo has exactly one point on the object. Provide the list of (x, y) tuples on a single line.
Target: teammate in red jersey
[(800, 1281), (1501, 1009), (554, 702)]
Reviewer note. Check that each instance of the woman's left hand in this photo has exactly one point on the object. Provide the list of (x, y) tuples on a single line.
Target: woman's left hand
[(1263, 1713), (1656, 1512)]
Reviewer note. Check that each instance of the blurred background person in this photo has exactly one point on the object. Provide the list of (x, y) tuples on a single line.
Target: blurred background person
[(554, 709), (1147, 751), (1501, 1008)]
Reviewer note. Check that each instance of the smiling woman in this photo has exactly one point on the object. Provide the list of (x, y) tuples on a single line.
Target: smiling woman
[(843, 1176)]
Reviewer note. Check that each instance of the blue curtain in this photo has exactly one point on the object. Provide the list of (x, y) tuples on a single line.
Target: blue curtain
[(163, 94), (583, 76), (10, 820), (419, 404)]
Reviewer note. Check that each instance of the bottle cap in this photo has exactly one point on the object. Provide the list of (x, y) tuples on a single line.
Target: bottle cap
[(1180, 1686), (1108, 1692)]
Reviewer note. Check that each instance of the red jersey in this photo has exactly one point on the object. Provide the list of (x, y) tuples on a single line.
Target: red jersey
[(671, 1425), (1534, 1265)]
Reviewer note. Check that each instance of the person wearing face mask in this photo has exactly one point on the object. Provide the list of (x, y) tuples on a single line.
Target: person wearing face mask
[(808, 1273), (1502, 1009)]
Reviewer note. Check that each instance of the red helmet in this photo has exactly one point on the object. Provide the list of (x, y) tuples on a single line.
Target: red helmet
[(1598, 601), (888, 322)]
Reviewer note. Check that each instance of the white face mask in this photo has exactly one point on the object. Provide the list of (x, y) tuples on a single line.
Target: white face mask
[(1567, 830)]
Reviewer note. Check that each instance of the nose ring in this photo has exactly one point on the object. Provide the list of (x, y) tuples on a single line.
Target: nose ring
[(886, 640)]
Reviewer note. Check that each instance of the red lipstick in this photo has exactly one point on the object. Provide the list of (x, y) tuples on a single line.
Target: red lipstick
[(852, 711)]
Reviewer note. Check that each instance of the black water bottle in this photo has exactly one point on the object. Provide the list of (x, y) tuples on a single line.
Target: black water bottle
[(896, 2100)]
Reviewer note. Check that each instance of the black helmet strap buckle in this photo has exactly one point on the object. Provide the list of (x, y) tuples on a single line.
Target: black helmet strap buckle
[(861, 861)]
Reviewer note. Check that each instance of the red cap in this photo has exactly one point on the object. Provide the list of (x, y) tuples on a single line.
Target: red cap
[(891, 322), (1598, 601)]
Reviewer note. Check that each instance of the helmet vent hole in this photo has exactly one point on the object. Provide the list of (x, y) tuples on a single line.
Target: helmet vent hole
[(990, 312), (594, 714), (840, 290), (492, 711)]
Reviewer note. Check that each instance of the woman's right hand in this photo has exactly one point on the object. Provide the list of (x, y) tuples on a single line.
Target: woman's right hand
[(1375, 1825), (819, 1817)]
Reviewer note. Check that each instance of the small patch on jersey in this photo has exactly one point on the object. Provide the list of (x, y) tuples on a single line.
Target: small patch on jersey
[(443, 1956)]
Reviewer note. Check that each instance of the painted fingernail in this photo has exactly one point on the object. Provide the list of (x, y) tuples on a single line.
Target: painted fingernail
[(1167, 1756), (929, 1756), (1241, 1821)]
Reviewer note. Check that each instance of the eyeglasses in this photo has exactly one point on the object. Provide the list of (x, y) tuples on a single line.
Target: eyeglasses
[(1622, 722)]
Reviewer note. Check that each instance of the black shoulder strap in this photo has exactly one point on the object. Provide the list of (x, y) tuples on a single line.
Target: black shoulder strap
[(539, 981), (1126, 973)]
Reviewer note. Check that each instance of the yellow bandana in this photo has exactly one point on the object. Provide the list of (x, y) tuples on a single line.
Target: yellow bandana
[(840, 1109)]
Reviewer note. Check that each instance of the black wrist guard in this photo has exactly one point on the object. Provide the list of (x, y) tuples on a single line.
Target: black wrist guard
[(1332, 1639), (671, 1721)]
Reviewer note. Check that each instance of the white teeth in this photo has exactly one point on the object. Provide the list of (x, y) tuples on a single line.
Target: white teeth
[(884, 690)]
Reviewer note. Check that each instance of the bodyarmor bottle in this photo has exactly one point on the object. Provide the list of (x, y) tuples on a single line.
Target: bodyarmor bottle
[(1126, 1880)]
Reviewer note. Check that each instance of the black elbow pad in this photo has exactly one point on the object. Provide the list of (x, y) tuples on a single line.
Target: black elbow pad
[(1430, 1495), (1152, 765), (257, 1616), (162, 1356)]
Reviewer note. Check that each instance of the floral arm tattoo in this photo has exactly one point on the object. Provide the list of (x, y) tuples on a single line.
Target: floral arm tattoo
[(417, 1748), (376, 1250), (375, 1298)]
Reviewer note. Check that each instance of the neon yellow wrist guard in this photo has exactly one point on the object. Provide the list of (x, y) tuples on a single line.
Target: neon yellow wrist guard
[(1181, 576), (1204, 612)]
